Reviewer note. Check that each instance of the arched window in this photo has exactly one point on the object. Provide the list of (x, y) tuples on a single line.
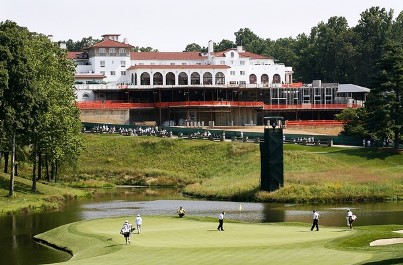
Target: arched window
[(219, 78), (232, 54), (170, 79), (132, 79), (276, 79), (86, 96), (183, 79), (195, 79), (207, 79), (264, 79), (157, 79), (252, 79), (135, 79), (145, 79)]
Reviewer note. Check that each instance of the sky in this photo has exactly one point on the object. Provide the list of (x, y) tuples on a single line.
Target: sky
[(170, 25)]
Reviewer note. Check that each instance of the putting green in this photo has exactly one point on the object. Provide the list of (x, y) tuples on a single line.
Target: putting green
[(172, 240)]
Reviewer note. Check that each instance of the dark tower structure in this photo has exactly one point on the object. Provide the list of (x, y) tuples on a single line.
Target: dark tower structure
[(271, 155)]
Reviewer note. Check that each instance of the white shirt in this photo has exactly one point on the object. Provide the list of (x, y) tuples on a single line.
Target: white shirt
[(221, 217), (139, 220), (349, 214), (315, 215)]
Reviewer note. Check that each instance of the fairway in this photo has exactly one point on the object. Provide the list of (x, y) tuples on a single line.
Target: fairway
[(173, 240)]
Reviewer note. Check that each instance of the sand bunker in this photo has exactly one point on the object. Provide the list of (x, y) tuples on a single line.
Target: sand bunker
[(388, 241)]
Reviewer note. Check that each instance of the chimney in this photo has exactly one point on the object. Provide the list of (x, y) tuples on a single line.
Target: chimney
[(63, 45)]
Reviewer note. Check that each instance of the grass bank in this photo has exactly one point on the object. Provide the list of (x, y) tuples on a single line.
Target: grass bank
[(214, 170), (231, 170), (171, 240), (48, 196)]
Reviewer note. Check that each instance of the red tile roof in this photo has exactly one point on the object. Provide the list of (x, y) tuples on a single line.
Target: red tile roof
[(73, 55), (179, 66), (166, 56), (110, 44)]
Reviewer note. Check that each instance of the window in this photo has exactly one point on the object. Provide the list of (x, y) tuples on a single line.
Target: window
[(102, 51), (112, 51), (122, 72), (232, 72), (242, 62), (172, 63), (102, 72), (122, 51), (102, 63), (113, 73), (123, 63), (222, 62), (232, 54), (242, 72), (184, 63)]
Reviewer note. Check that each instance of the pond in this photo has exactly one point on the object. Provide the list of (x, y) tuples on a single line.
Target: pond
[(17, 231)]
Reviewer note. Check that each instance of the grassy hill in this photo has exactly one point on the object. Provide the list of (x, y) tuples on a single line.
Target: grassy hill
[(215, 170), (231, 170)]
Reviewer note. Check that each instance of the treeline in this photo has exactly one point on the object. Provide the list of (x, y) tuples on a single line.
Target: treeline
[(38, 117), (332, 52)]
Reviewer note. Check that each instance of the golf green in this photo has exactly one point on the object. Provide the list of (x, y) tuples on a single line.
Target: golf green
[(173, 240)]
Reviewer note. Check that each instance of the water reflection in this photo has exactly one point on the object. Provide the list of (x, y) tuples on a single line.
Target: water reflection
[(18, 248)]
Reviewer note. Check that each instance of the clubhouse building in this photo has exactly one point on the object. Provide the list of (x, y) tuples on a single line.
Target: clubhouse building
[(230, 88)]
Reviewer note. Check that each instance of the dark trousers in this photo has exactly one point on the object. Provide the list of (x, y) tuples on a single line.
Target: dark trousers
[(315, 224), (221, 225)]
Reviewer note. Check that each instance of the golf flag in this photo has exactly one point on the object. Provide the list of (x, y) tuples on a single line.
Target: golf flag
[(240, 207)]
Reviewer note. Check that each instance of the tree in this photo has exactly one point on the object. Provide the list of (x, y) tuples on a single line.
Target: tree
[(143, 49), (354, 122), (18, 101), (56, 130), (224, 45), (372, 32), (193, 47), (385, 101), (244, 37), (75, 46)]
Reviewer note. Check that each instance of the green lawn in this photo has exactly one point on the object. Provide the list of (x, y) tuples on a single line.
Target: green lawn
[(171, 240)]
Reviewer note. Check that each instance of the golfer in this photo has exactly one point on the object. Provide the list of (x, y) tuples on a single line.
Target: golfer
[(221, 222), (126, 231), (315, 220), (181, 212), (350, 218), (139, 222)]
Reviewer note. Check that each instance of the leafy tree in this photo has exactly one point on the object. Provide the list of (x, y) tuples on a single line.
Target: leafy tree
[(244, 37), (224, 45), (18, 100), (75, 46), (143, 49), (193, 47), (57, 127), (332, 49), (372, 32), (385, 101), (354, 122), (397, 29)]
